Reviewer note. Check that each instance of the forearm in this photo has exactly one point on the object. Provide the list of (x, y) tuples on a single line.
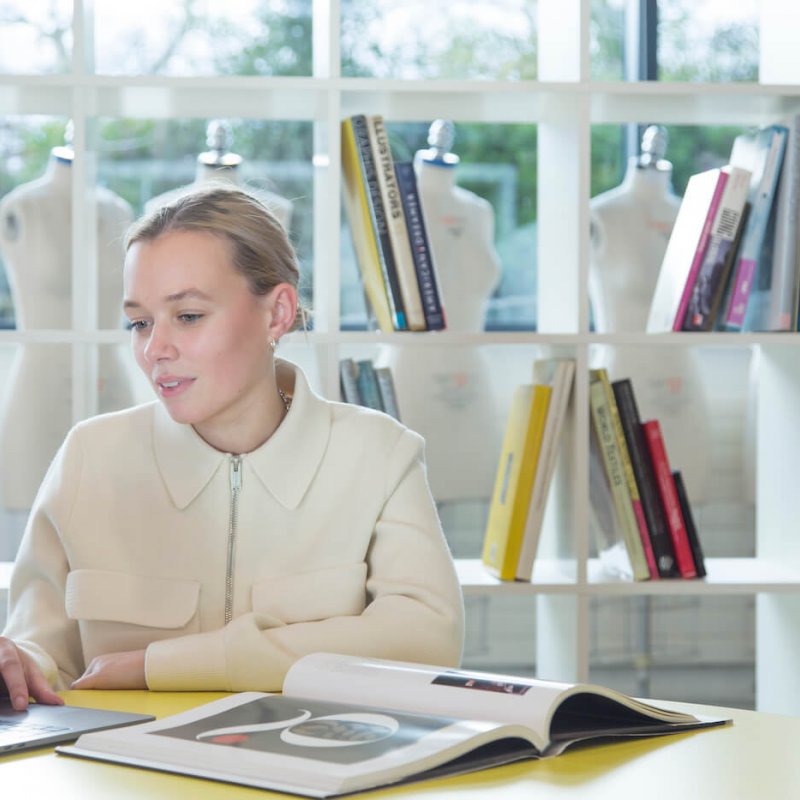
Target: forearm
[(246, 656), (37, 620), (38, 623)]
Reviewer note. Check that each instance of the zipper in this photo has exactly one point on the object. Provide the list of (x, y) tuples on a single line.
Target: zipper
[(235, 476)]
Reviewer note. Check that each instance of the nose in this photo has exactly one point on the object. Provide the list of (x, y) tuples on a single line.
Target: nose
[(159, 345)]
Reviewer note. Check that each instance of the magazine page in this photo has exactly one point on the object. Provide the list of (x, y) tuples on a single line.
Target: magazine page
[(310, 747), (461, 693)]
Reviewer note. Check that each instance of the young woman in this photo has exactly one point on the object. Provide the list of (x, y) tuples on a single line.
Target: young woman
[(207, 539)]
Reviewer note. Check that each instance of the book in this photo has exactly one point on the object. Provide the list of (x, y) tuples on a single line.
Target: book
[(367, 382), (762, 153), (605, 416), (348, 381), (427, 281), (669, 497), (362, 231), (627, 466), (784, 293), (369, 174), (755, 318), (345, 724), (685, 250), (652, 509), (387, 391), (688, 521), (557, 373), (395, 216), (516, 472), (726, 230), (604, 524)]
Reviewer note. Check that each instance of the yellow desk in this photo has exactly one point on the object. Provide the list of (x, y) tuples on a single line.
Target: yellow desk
[(755, 759)]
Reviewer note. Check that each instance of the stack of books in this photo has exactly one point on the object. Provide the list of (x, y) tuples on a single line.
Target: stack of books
[(364, 384), (640, 512), (388, 230), (528, 457), (732, 262)]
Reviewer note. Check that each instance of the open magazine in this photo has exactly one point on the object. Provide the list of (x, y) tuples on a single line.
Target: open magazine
[(344, 724)]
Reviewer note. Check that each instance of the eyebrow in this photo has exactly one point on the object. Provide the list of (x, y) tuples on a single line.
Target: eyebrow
[(188, 294)]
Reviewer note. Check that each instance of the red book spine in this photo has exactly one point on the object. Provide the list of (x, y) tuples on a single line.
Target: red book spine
[(669, 498)]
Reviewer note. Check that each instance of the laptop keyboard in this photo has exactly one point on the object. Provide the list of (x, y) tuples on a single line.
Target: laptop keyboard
[(12, 730)]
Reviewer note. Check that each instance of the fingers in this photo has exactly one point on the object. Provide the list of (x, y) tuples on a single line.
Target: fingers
[(86, 681), (89, 678), (12, 672), (40, 689), (114, 671), (23, 678)]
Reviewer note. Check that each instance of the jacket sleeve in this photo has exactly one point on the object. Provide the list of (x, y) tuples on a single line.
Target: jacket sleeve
[(37, 620), (414, 610)]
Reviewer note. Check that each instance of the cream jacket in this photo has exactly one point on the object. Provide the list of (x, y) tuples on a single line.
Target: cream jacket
[(333, 543)]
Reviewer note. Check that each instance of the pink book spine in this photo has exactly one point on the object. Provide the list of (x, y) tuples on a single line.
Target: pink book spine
[(700, 251), (745, 273), (669, 498), (644, 534)]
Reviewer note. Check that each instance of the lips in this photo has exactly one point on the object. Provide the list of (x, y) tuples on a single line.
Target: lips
[(171, 385)]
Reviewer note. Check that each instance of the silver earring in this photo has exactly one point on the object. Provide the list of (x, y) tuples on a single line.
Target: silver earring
[(273, 344)]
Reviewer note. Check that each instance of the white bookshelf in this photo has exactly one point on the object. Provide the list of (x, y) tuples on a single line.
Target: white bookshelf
[(725, 576), (564, 106)]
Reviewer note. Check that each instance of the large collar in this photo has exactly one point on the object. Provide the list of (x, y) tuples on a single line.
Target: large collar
[(286, 463)]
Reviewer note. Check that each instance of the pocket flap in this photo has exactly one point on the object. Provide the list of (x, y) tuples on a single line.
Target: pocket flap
[(309, 596), (93, 594)]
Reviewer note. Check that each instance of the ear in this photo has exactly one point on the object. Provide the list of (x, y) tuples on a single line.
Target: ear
[(282, 305)]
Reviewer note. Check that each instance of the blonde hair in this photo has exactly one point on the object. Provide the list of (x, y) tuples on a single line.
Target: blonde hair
[(261, 249)]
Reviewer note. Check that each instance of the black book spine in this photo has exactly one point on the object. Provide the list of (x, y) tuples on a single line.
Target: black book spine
[(420, 247), (688, 521), (361, 132), (644, 475)]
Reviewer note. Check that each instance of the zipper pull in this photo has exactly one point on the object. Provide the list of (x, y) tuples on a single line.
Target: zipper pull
[(236, 473)]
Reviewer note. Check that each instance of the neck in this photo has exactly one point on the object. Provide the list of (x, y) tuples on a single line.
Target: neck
[(242, 436), (246, 425)]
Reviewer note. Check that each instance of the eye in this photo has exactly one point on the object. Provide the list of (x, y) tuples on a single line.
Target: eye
[(189, 317), (137, 324)]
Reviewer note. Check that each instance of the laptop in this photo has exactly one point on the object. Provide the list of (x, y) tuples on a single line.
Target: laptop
[(43, 725)]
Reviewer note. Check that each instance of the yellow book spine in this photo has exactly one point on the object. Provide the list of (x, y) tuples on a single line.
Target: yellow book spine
[(514, 480), (602, 376), (364, 242), (604, 426)]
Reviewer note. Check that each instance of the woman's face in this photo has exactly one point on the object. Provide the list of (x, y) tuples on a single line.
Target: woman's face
[(199, 334)]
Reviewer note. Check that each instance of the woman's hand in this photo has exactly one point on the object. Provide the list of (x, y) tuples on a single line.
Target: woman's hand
[(23, 678), (114, 671)]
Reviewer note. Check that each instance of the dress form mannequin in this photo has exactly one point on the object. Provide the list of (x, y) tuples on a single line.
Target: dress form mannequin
[(36, 245), (630, 228), (445, 393), (218, 164)]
